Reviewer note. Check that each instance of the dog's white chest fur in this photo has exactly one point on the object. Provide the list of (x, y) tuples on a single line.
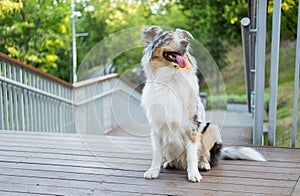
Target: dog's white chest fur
[(170, 105), (171, 102)]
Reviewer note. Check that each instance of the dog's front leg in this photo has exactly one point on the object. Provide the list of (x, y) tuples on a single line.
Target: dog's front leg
[(154, 170), (192, 149)]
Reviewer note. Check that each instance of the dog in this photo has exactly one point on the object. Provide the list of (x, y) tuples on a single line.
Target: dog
[(179, 132)]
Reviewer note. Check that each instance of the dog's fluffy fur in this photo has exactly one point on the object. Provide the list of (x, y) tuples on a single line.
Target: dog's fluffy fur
[(174, 109)]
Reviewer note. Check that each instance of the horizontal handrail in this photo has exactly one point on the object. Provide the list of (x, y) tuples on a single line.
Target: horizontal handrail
[(17, 62), (79, 103), (23, 86), (106, 93)]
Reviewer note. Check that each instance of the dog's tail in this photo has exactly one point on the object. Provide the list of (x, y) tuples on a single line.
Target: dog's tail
[(241, 153)]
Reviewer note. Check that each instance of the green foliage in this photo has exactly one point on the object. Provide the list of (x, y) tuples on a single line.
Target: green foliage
[(8, 7), (36, 34), (215, 24), (39, 32), (289, 10)]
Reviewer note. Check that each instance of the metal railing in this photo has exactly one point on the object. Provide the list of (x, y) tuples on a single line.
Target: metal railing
[(255, 68), (104, 103), (31, 100)]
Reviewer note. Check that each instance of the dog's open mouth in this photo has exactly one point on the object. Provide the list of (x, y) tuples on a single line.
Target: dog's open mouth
[(175, 57)]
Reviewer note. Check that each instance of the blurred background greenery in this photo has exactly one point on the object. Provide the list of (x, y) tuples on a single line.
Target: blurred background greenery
[(39, 32)]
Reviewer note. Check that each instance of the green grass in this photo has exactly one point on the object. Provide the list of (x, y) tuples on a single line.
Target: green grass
[(220, 101)]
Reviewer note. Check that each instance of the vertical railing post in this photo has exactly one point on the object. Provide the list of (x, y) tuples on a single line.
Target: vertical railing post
[(296, 84), (274, 71), (1, 106), (20, 100), (245, 22), (10, 99), (252, 6), (1, 100), (260, 48), (26, 102), (5, 97), (15, 99)]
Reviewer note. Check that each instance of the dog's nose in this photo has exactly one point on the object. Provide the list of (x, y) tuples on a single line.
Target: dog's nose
[(184, 43)]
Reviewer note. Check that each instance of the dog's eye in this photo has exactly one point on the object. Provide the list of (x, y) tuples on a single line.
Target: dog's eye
[(168, 40)]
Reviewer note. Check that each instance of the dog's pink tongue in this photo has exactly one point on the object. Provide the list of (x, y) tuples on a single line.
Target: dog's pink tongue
[(181, 61)]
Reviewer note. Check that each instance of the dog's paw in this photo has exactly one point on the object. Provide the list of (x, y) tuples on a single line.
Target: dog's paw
[(194, 176), (204, 166), (151, 173), (166, 165)]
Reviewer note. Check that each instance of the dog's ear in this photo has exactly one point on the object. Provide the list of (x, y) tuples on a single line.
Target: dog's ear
[(184, 34), (149, 33)]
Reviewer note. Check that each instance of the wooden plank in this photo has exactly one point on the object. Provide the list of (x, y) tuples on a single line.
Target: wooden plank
[(44, 190), (168, 175), (123, 166), (16, 193), (40, 162), (40, 137), (296, 189), (79, 152), (139, 174), (111, 147), (95, 150), (99, 140), (109, 189), (66, 136), (107, 153), (74, 140), (112, 153), (140, 163), (165, 186)]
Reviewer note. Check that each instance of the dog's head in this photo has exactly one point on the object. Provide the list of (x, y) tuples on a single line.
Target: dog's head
[(166, 50)]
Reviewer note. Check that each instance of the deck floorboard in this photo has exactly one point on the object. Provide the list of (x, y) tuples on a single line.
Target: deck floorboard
[(70, 164)]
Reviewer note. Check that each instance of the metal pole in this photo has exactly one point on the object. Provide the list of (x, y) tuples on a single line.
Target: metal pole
[(274, 71), (260, 49), (252, 5), (245, 22), (296, 85), (74, 52)]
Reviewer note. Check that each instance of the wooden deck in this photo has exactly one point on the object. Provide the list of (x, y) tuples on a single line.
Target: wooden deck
[(67, 164)]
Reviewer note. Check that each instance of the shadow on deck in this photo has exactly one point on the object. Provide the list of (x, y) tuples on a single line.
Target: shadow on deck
[(70, 164)]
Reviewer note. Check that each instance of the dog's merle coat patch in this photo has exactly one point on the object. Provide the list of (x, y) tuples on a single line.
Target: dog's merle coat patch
[(215, 154), (205, 128)]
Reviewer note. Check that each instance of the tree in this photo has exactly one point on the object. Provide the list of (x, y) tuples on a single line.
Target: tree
[(7, 7), (289, 18), (38, 33), (216, 25)]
